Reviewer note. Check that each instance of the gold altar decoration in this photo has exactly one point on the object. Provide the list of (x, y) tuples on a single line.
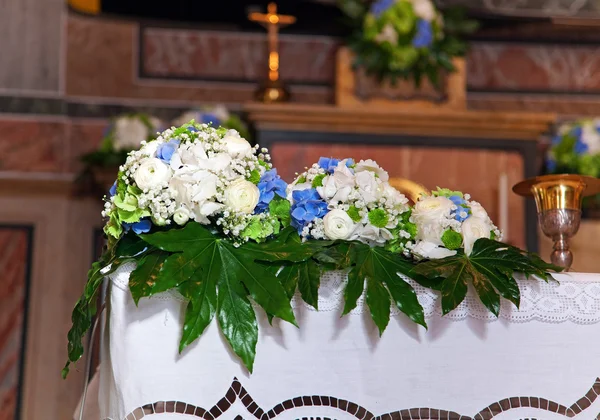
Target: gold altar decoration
[(558, 199), (355, 89), (410, 189), (273, 90)]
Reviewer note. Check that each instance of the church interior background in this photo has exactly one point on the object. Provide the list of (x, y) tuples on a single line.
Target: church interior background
[(67, 69)]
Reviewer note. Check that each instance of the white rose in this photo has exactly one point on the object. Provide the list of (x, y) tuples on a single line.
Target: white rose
[(236, 145), (129, 133), (472, 229), (181, 216), (152, 172), (338, 225), (242, 196), (424, 9), (372, 166), (369, 189), (478, 211), (431, 251)]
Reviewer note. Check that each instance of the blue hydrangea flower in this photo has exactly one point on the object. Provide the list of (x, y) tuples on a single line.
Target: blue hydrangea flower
[(380, 6), (269, 185), (143, 226), (192, 129), (551, 165), (329, 164), (113, 189), (209, 118), (424, 36), (165, 151), (308, 206), (581, 147), (462, 210), (349, 162)]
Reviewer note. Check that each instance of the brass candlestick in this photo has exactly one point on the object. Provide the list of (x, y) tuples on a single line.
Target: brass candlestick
[(273, 90), (558, 199)]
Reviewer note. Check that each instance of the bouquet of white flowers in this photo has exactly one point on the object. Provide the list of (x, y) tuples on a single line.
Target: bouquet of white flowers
[(448, 220), (343, 200), (217, 116), (196, 172)]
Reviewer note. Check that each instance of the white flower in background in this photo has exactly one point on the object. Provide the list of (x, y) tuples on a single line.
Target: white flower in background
[(472, 229), (242, 196), (236, 145), (152, 173), (372, 166), (221, 112), (129, 132), (368, 186), (431, 251), (424, 9), (186, 117), (591, 136), (338, 225), (181, 215), (387, 34)]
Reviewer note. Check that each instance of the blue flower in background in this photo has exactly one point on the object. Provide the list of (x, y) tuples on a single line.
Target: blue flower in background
[(380, 6), (209, 118), (424, 36), (462, 211), (551, 165), (308, 206), (165, 151), (192, 129), (581, 147), (143, 226), (556, 140), (329, 164), (113, 189), (269, 185)]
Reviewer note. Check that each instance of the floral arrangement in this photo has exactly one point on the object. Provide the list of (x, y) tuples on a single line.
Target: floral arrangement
[(575, 149), (407, 39), (217, 116), (123, 135), (202, 212)]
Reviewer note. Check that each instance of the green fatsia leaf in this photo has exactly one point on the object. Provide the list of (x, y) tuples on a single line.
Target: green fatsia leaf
[(237, 320), (454, 288), (485, 290), (378, 300), (143, 280), (288, 277), (287, 247), (379, 265), (309, 279)]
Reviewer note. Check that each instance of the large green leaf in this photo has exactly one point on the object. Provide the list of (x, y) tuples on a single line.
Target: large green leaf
[(490, 268), (378, 300), (309, 279), (286, 247), (143, 280)]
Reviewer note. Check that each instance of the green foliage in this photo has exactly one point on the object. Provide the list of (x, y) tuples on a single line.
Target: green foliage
[(318, 181), (490, 268), (254, 177), (445, 192), (280, 208), (354, 214), (452, 239)]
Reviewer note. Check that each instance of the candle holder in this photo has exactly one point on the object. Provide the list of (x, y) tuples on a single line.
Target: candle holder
[(558, 199)]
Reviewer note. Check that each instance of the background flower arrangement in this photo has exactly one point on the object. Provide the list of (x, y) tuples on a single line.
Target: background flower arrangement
[(217, 115), (406, 39), (202, 212), (575, 149)]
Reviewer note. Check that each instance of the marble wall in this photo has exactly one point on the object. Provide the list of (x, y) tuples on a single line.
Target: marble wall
[(15, 264)]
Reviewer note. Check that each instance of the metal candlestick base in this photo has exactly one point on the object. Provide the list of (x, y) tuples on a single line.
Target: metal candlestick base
[(558, 199)]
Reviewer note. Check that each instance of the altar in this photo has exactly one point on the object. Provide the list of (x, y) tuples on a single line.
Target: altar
[(536, 362)]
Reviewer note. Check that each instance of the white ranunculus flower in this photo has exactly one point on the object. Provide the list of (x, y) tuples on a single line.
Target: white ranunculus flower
[(369, 189), (181, 215), (431, 251), (338, 225), (478, 211), (472, 229), (424, 9), (242, 196), (372, 166), (428, 214), (236, 145), (129, 133), (151, 173)]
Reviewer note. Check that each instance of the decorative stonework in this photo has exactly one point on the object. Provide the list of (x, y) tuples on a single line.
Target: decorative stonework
[(237, 392)]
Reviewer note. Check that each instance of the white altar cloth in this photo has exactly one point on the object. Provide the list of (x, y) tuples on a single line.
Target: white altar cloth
[(539, 362)]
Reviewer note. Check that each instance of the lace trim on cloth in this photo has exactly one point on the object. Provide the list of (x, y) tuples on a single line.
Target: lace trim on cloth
[(572, 299), (237, 396)]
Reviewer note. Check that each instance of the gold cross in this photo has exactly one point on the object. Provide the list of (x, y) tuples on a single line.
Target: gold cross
[(272, 21)]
